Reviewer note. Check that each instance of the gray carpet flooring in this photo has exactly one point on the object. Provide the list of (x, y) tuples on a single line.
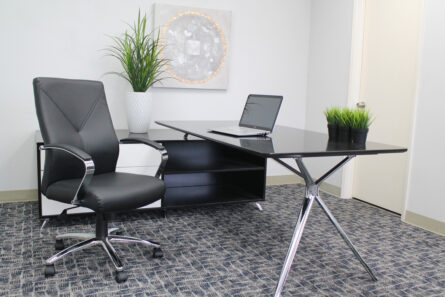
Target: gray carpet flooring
[(230, 250)]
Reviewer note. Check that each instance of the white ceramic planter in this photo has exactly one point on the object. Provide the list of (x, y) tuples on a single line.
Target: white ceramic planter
[(138, 108)]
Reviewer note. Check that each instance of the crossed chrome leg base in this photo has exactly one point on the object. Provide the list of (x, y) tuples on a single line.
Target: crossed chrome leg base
[(105, 241), (312, 194)]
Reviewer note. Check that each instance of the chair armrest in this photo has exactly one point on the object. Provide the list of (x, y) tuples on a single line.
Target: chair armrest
[(155, 145), (75, 151), (145, 141), (81, 155)]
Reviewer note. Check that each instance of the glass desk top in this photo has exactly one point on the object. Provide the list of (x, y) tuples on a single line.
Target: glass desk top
[(283, 142)]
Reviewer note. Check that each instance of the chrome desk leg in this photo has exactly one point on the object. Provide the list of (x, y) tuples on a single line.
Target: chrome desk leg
[(298, 232), (312, 193), (345, 237)]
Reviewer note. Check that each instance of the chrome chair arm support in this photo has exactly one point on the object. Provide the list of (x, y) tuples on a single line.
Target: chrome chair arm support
[(160, 148), (82, 156)]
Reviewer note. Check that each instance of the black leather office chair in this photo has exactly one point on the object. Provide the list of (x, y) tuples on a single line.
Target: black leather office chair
[(81, 154)]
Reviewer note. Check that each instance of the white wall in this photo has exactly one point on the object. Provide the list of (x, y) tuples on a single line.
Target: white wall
[(328, 73), (269, 54), (427, 158)]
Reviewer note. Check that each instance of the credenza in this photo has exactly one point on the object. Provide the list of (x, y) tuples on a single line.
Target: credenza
[(198, 172)]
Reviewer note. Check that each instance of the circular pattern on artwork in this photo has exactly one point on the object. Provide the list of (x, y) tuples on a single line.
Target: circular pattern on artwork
[(195, 46)]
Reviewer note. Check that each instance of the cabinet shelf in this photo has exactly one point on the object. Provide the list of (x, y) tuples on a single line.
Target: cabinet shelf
[(207, 195), (224, 165)]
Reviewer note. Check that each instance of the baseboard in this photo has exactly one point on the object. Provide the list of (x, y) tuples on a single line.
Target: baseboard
[(330, 189), (423, 222), (277, 180), (18, 196)]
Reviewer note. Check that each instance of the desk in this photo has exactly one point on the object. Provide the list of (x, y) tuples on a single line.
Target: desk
[(287, 142)]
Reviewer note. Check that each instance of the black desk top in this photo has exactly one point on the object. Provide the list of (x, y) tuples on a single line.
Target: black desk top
[(160, 135), (282, 143)]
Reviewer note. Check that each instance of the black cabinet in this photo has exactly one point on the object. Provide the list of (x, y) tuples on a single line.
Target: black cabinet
[(198, 172)]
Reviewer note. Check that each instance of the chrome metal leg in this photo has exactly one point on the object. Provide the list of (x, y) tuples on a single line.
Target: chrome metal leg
[(44, 224), (127, 239), (106, 244), (112, 254), (113, 230), (345, 237), (103, 236), (75, 247), (298, 232), (312, 193), (82, 236), (258, 205)]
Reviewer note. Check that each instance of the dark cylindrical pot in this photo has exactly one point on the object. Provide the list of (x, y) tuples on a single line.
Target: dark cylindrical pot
[(359, 135), (332, 145), (343, 134), (332, 132)]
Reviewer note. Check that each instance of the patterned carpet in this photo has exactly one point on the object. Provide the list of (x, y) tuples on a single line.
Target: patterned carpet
[(232, 250)]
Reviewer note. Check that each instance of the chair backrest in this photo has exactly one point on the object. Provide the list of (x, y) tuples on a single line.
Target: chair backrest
[(74, 112)]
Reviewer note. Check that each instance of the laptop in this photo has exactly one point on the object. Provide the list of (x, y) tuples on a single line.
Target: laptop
[(258, 118)]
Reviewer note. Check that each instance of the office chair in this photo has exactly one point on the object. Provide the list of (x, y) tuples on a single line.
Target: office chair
[(80, 166)]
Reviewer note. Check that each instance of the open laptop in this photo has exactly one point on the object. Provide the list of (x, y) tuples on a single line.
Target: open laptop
[(259, 116)]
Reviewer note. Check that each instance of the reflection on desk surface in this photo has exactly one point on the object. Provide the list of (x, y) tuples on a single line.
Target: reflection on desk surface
[(263, 143)]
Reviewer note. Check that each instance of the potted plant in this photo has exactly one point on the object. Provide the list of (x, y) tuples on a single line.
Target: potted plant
[(344, 124), (139, 53), (360, 123), (332, 117)]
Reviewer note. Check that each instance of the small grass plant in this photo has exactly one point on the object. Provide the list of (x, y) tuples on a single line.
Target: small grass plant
[(346, 117), (362, 119), (347, 124), (333, 115)]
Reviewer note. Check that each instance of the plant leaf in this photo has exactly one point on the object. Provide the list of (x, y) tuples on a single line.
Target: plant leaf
[(139, 54)]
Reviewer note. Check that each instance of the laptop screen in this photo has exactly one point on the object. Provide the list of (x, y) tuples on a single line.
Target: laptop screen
[(261, 111)]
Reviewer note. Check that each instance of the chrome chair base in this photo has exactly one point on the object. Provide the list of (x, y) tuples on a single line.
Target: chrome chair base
[(84, 236), (90, 239)]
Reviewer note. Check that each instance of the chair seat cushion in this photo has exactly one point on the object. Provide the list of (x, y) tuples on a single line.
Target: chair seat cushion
[(110, 192)]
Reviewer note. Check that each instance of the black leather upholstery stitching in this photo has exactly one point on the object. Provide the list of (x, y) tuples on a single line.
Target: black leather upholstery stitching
[(90, 112), (58, 107)]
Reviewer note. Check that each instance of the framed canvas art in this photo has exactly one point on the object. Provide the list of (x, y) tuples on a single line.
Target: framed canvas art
[(196, 42)]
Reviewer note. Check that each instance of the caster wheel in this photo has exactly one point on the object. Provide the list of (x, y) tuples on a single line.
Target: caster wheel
[(121, 276), (157, 253), (50, 270), (59, 245)]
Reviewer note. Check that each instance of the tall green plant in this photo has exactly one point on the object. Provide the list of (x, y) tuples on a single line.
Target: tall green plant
[(139, 53)]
